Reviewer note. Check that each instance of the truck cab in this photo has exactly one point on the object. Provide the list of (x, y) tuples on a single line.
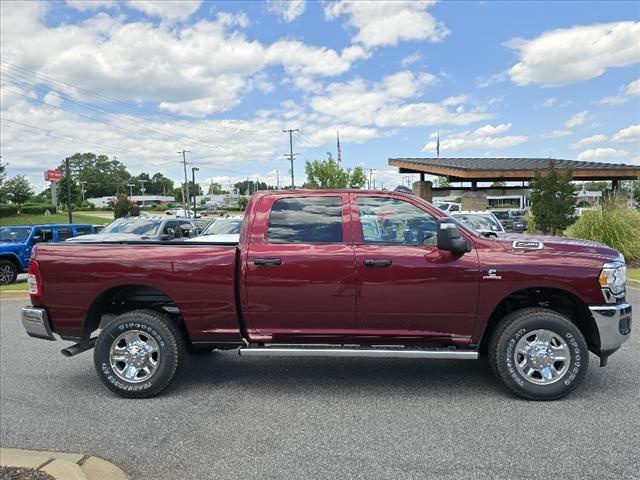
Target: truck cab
[(17, 242)]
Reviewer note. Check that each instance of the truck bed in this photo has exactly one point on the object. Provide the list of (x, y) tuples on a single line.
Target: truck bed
[(198, 277)]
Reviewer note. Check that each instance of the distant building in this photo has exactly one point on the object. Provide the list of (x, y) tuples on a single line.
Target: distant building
[(142, 200)]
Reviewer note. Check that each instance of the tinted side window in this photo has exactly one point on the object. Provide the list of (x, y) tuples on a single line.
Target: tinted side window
[(45, 234), (394, 221), (186, 228), (176, 229), (64, 233), (306, 220)]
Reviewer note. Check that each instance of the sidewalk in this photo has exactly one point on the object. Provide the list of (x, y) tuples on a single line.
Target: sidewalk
[(59, 466)]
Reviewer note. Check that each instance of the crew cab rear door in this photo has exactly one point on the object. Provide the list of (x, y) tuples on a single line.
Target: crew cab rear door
[(407, 289), (298, 272)]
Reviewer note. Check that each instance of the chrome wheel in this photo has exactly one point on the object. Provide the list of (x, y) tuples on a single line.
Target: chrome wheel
[(6, 274), (542, 357), (134, 356)]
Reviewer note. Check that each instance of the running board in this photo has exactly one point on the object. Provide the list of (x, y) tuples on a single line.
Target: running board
[(358, 352)]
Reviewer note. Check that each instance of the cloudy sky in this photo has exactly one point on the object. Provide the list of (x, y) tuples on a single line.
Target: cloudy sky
[(143, 79)]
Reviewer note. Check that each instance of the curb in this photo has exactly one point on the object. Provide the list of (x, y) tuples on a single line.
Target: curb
[(14, 295), (62, 466)]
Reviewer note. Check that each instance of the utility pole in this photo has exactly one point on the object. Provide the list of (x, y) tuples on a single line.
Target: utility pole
[(131, 185), (193, 177), (142, 189), (291, 154), (277, 180), (67, 169), (369, 183), (185, 205), (82, 189)]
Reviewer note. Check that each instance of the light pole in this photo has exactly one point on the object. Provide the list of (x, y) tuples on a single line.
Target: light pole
[(131, 185), (193, 179)]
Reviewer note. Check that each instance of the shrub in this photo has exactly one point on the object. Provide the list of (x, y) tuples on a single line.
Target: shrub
[(530, 218), (8, 210), (614, 225), (37, 209)]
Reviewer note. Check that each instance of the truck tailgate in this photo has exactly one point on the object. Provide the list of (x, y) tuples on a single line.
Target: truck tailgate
[(198, 278)]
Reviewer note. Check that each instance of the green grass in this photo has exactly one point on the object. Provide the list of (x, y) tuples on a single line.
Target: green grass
[(80, 217), (633, 273), (15, 287)]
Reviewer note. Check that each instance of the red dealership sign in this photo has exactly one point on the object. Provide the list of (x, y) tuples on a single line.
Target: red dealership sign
[(52, 175)]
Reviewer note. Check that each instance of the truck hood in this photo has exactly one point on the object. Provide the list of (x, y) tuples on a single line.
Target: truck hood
[(561, 245), (10, 247)]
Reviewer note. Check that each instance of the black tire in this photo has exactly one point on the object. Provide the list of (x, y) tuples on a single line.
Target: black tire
[(514, 328), (8, 272), (170, 357)]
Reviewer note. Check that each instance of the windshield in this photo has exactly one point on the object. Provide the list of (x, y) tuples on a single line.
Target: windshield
[(443, 206), (224, 226), (14, 234), (138, 226), (479, 222)]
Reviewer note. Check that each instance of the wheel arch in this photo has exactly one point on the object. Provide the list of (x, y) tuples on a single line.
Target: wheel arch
[(559, 300), (124, 298)]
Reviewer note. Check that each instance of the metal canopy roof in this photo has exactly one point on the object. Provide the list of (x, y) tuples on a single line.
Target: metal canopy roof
[(489, 169)]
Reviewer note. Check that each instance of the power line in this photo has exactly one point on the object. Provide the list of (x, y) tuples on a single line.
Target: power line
[(291, 154)]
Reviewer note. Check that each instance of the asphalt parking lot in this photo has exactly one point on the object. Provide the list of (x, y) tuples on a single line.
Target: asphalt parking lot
[(240, 417)]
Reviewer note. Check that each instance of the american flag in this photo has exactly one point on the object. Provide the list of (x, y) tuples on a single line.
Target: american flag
[(339, 149)]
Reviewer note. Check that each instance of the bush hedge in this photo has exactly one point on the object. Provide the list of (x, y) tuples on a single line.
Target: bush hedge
[(614, 225), (37, 209), (8, 210)]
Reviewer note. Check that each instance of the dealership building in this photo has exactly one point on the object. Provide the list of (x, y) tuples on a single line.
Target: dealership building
[(471, 179)]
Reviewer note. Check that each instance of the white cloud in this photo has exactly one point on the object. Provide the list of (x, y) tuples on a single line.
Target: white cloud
[(482, 138), (569, 55), (169, 10), (288, 10), (298, 58), (381, 23), (550, 102), (411, 59), (577, 119), (385, 103), (601, 153), (557, 134), (626, 93), (484, 82), (629, 134), (589, 141), (86, 5)]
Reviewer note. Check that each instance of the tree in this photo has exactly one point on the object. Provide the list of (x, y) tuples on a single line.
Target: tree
[(442, 182), (328, 174), (177, 192), (3, 173), (103, 176), (636, 194), (161, 185), (123, 207), (596, 186), (215, 189), (553, 198), (247, 187), (62, 191), (18, 189), (242, 202)]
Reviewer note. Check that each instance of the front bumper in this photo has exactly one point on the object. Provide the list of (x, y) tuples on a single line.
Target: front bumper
[(614, 324), (36, 322)]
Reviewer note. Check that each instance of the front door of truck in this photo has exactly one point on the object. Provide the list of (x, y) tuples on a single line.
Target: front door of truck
[(407, 289), (299, 273)]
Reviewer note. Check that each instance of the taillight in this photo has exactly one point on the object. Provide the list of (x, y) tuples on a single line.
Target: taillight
[(34, 280)]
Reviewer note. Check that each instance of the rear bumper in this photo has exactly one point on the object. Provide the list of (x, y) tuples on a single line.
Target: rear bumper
[(614, 324), (36, 322)]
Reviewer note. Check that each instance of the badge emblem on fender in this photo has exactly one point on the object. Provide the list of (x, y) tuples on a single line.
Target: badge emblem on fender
[(527, 244), (492, 274)]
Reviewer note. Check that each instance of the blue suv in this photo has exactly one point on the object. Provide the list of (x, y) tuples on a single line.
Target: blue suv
[(16, 243)]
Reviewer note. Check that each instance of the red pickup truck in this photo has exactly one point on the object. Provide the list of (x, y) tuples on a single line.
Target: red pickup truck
[(336, 273)]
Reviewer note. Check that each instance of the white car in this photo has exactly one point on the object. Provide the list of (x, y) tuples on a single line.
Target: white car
[(222, 230), (483, 222)]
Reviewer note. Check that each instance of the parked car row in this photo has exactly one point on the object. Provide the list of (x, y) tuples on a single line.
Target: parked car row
[(16, 243)]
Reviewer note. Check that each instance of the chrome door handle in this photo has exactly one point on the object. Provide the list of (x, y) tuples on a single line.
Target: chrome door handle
[(382, 262), (267, 262)]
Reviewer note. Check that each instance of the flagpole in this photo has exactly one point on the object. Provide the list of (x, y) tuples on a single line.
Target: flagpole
[(339, 149)]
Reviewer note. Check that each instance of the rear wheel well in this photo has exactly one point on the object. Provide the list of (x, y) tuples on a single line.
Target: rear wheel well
[(561, 301), (125, 298), (12, 259)]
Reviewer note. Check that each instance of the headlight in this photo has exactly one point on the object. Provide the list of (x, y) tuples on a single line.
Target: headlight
[(614, 277)]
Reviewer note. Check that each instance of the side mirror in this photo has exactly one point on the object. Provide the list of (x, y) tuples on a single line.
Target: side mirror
[(449, 237)]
